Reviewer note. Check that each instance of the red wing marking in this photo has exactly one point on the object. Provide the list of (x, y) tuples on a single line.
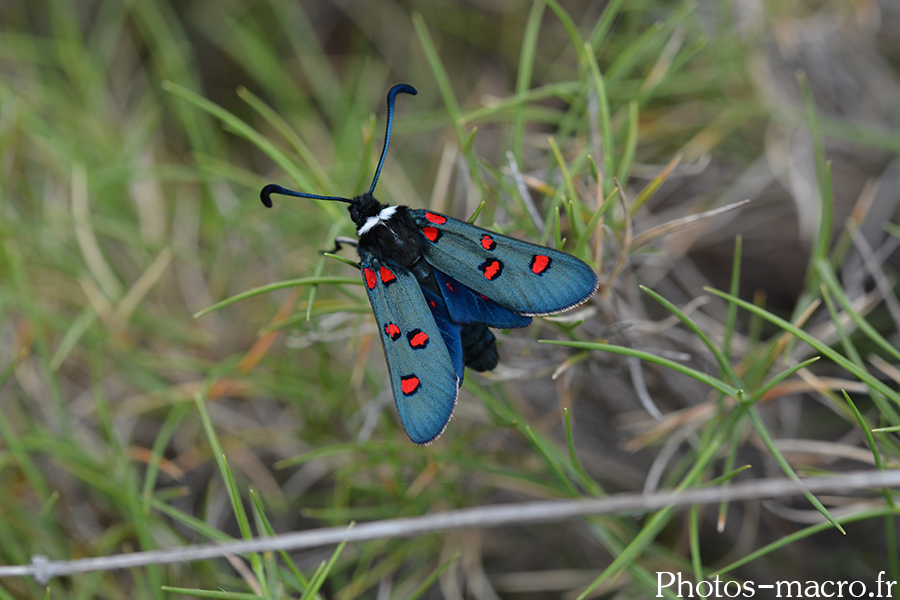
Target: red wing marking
[(371, 278), (491, 269), (436, 219), (392, 331), (387, 276), (409, 384), (432, 233), (539, 264), (487, 242), (418, 339)]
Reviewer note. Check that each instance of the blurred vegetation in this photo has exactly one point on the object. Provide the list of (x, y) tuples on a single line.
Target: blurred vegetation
[(134, 139)]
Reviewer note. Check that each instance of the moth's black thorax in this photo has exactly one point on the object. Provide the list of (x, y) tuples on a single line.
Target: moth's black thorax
[(395, 239)]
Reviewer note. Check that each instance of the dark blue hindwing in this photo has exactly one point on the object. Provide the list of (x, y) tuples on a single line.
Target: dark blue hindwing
[(422, 347), (465, 306), (525, 278)]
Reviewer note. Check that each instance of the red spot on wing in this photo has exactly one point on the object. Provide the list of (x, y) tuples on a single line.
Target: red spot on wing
[(539, 264), (371, 278), (487, 242), (491, 269), (409, 384), (387, 276), (432, 233), (418, 339), (392, 331), (435, 218)]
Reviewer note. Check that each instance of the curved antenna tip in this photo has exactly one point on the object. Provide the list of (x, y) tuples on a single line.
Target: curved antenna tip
[(404, 88), (266, 194)]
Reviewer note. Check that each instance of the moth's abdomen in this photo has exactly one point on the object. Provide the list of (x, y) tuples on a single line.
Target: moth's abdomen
[(479, 348)]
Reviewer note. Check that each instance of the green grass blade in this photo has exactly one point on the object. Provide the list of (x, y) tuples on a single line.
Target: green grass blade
[(767, 440), (723, 361), (733, 289), (570, 28), (791, 538), (525, 72), (823, 179), (318, 579), (833, 355), (446, 88), (827, 276), (433, 577), (310, 161), (214, 594), (712, 382), (601, 30), (609, 165), (244, 130), (630, 147), (271, 287)]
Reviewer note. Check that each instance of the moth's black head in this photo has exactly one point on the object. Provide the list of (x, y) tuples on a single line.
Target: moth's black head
[(362, 207)]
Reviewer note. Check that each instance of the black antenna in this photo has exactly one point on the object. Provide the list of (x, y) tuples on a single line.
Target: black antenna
[(400, 88), (273, 188)]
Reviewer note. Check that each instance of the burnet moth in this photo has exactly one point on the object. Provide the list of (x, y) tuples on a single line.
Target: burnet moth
[(436, 284)]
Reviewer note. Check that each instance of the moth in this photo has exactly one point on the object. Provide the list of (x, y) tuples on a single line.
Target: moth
[(437, 284)]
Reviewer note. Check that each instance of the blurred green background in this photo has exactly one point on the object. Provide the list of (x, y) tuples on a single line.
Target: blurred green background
[(134, 139)]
